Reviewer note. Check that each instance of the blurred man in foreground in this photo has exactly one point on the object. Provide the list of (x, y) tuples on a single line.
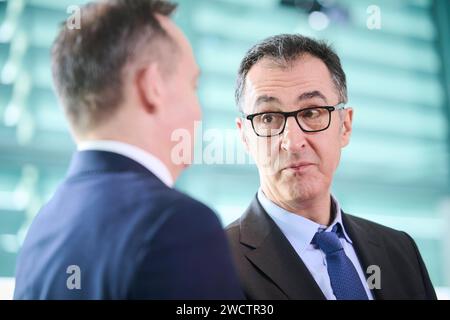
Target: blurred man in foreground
[(116, 228)]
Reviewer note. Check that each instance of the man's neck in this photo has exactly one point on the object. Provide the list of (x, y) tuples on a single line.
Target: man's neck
[(317, 209)]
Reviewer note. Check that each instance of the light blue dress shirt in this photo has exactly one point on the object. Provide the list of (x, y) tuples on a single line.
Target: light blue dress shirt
[(300, 231)]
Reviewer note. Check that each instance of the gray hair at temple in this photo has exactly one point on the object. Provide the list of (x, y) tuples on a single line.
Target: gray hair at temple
[(286, 48)]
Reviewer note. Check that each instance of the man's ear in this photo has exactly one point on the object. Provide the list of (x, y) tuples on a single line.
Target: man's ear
[(240, 125), (346, 130), (150, 87)]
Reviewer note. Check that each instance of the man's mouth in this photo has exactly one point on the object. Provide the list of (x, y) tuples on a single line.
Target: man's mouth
[(299, 166)]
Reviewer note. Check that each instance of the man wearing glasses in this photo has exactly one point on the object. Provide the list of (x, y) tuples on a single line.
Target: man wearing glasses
[(294, 241)]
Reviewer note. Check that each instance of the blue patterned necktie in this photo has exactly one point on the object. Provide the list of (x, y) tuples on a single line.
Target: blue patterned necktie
[(344, 278)]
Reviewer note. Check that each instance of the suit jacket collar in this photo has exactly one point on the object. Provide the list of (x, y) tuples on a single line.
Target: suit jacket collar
[(274, 256), (93, 162), (143, 157)]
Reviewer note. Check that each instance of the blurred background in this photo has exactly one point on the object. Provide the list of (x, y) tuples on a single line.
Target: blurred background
[(396, 55)]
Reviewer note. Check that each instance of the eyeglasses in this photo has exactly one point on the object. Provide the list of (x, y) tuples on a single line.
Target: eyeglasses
[(313, 119)]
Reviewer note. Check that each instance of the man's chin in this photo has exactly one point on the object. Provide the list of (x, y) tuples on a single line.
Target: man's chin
[(301, 188)]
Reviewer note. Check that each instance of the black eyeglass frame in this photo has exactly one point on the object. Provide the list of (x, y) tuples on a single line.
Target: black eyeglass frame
[(339, 106)]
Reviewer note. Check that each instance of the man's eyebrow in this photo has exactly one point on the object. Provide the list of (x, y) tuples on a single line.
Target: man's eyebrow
[(265, 99), (312, 94)]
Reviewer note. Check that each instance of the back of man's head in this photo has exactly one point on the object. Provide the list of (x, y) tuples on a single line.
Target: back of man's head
[(89, 63)]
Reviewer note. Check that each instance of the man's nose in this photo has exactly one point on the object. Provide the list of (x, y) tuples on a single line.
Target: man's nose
[(293, 137)]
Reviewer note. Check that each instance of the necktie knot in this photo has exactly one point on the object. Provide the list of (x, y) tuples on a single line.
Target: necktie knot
[(328, 241), (344, 278)]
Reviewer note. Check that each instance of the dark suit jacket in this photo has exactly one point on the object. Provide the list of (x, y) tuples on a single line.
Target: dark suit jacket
[(131, 236), (269, 267)]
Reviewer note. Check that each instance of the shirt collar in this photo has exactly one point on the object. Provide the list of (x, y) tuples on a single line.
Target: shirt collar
[(142, 157), (337, 220), (298, 229)]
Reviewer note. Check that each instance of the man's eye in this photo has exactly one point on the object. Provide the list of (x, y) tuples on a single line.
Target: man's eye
[(311, 113), (267, 118)]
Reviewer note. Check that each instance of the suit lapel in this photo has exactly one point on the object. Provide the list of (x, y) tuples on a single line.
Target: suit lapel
[(370, 252), (274, 256)]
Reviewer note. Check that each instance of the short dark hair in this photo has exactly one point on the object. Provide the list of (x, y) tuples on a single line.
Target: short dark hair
[(88, 63), (286, 48)]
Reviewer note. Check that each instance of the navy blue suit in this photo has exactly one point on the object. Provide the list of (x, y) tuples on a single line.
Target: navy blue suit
[(131, 236)]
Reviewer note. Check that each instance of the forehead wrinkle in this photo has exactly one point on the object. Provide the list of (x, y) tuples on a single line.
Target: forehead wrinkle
[(273, 81), (271, 89), (295, 73), (285, 82)]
